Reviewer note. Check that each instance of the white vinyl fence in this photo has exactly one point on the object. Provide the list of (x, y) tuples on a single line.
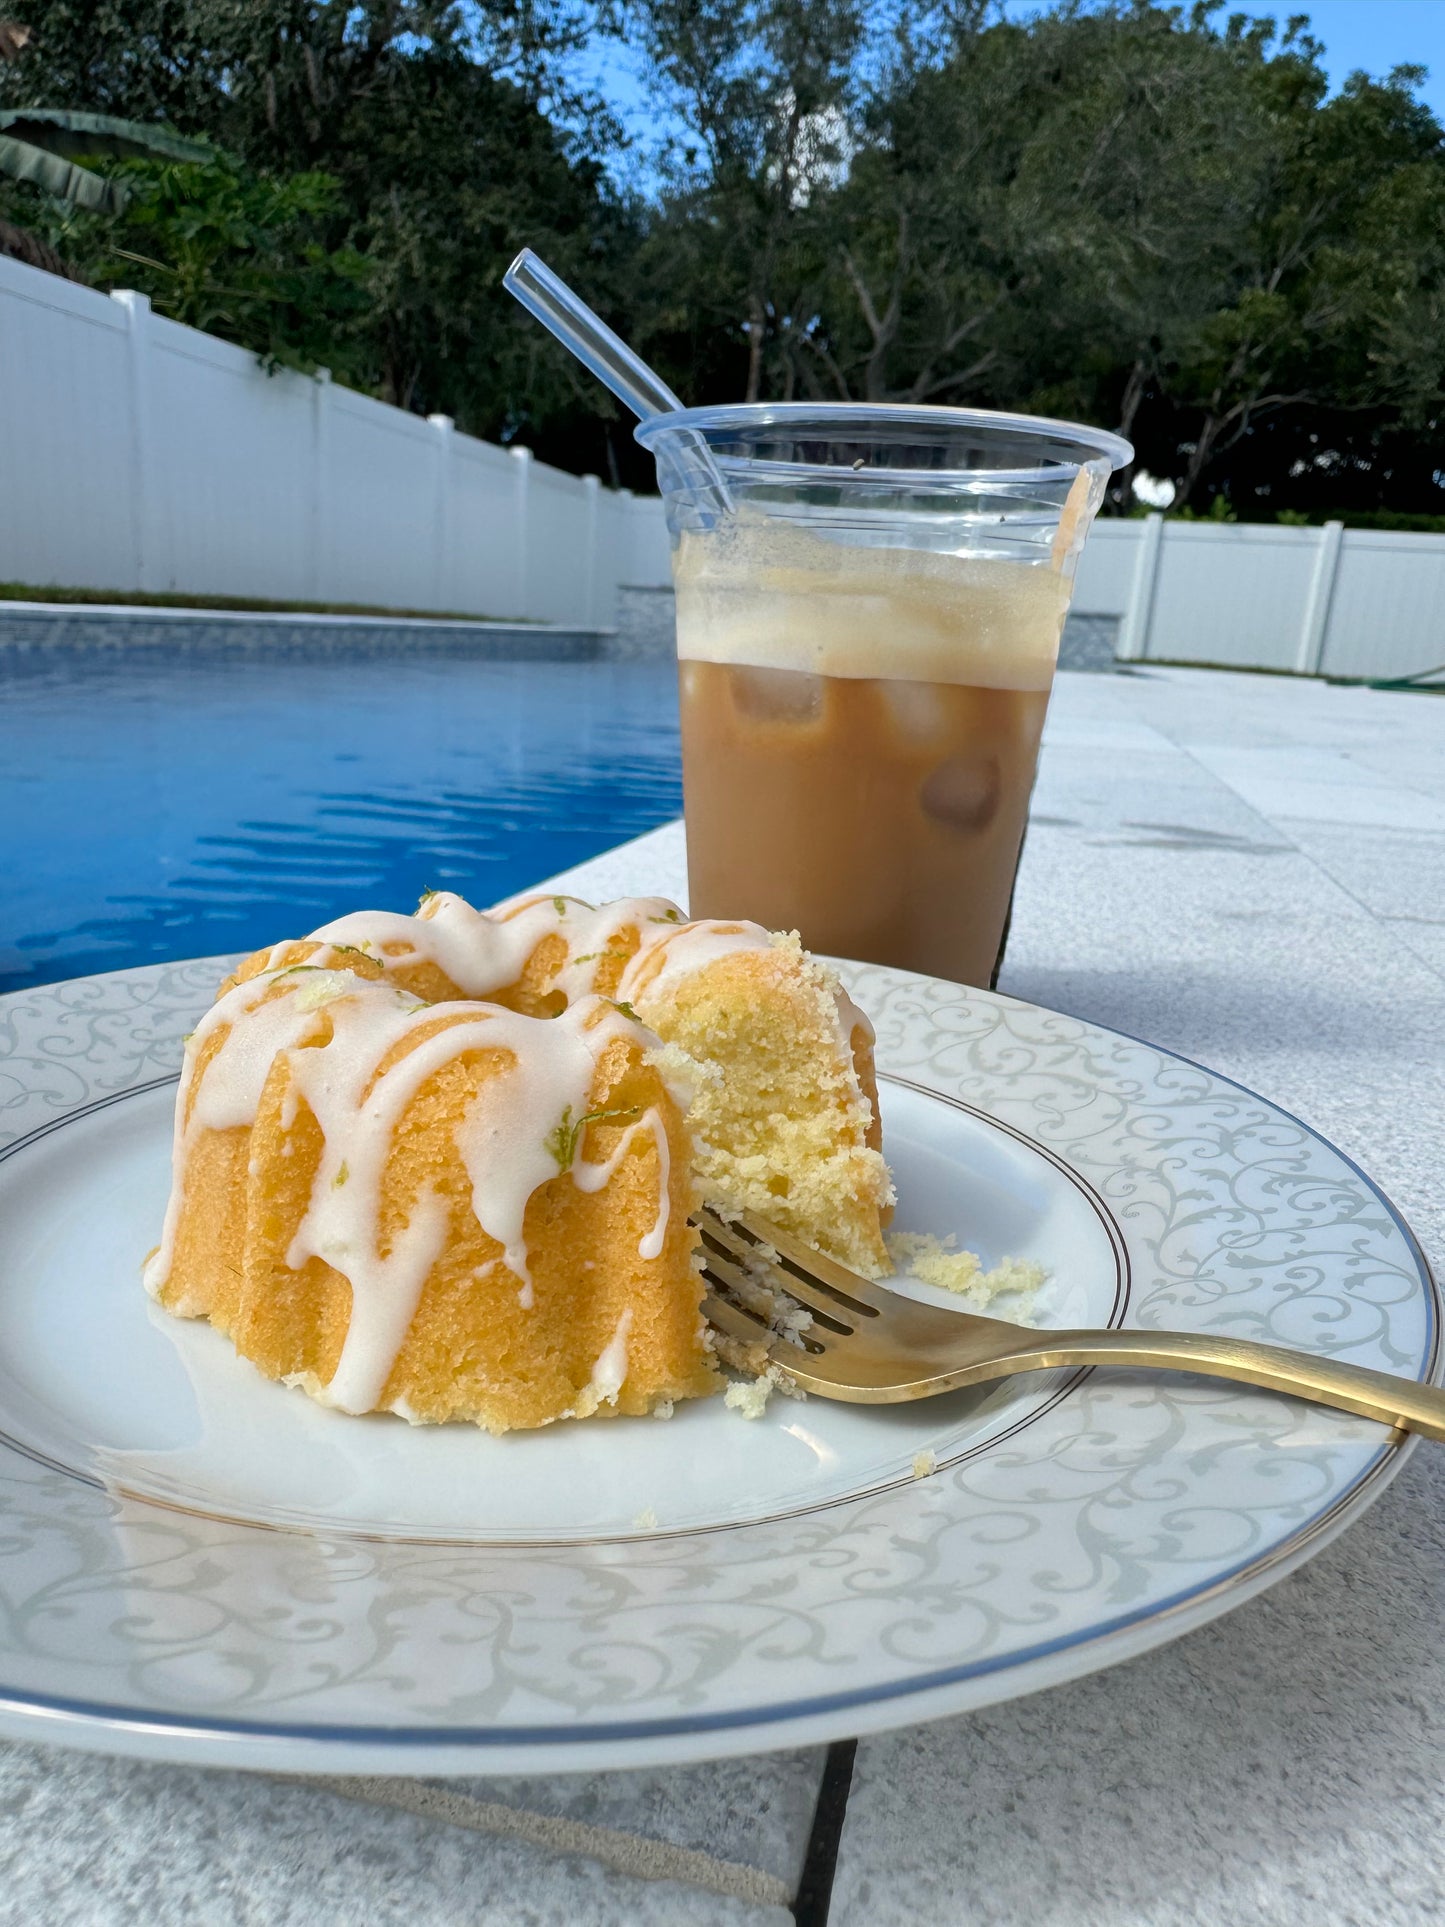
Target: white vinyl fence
[(136, 454), (1330, 601)]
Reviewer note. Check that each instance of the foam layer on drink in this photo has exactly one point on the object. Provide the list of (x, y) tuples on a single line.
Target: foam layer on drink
[(770, 595)]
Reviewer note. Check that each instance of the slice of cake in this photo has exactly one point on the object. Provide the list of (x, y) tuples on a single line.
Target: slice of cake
[(443, 1165)]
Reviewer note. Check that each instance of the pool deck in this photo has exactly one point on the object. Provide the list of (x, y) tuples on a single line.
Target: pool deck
[(1250, 871)]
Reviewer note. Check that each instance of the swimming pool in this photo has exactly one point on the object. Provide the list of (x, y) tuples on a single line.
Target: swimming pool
[(166, 802)]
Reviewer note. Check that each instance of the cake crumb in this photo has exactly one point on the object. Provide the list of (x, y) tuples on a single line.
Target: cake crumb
[(664, 1408), (750, 1395), (791, 1322), (938, 1262), (924, 1465), (646, 1520), (742, 1355)]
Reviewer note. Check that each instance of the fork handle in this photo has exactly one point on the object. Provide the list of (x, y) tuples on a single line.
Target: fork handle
[(1400, 1402)]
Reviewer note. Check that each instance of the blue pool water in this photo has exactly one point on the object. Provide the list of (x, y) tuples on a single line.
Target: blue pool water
[(168, 802)]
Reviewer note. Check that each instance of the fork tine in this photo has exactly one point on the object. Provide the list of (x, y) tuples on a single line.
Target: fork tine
[(825, 1308), (753, 1293), (737, 1324), (819, 1281), (745, 1290)]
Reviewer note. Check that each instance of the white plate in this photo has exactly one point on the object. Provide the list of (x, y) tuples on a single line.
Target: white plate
[(198, 1564)]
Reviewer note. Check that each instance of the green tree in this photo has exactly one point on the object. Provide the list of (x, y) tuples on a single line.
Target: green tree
[(39, 148), (763, 90), (1147, 215), (1124, 212), (430, 119), (236, 254), (1331, 312)]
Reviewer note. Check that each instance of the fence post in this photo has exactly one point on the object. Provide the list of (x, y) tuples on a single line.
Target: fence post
[(142, 505), (523, 458), (591, 547), (1317, 602), (1139, 616), (320, 480), (442, 510), (624, 569)]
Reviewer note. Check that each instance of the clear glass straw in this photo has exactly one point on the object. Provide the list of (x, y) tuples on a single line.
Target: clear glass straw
[(548, 297)]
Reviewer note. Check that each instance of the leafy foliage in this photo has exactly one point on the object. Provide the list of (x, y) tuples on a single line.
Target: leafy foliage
[(429, 121), (1148, 215), (39, 145), (237, 254)]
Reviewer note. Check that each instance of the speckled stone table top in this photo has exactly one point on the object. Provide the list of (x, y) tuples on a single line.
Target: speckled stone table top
[(1243, 868)]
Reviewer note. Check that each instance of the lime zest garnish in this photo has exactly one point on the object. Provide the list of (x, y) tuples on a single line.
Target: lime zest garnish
[(564, 1139), (561, 1140), (343, 1174)]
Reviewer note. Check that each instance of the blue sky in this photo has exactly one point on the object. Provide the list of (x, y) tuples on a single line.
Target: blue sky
[(1375, 35)]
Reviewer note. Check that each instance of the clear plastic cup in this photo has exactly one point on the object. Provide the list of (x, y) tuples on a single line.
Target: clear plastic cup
[(869, 605)]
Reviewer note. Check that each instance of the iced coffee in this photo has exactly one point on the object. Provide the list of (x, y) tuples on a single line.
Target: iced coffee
[(860, 728), (869, 605)]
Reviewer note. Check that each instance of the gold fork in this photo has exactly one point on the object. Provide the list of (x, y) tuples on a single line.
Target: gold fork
[(872, 1346)]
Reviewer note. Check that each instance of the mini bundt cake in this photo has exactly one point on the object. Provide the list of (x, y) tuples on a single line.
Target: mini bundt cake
[(443, 1165), (785, 1107)]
